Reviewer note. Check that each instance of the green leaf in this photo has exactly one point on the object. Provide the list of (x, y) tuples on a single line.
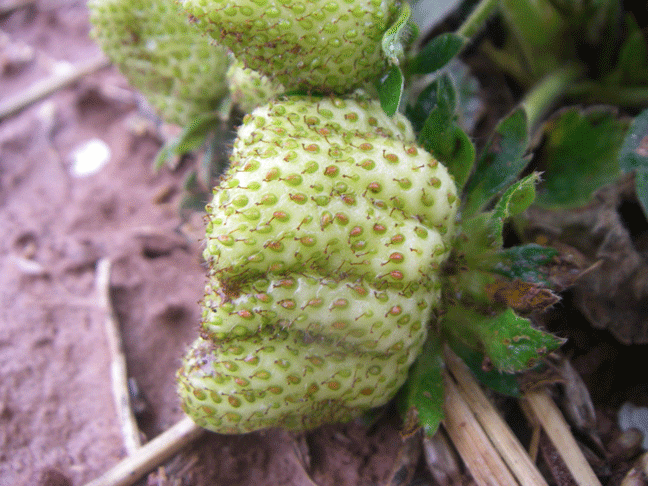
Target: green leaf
[(504, 383), (194, 135), (440, 135), (192, 138), (425, 103), (632, 66), (436, 54), (483, 232), (390, 90), (398, 35), (633, 156), (500, 163), (423, 390), (516, 199), (508, 340), (164, 155), (525, 263), (579, 156)]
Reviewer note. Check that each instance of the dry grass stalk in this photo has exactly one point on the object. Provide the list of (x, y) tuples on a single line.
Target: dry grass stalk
[(498, 431), (50, 85), (150, 455), (475, 448), (552, 421), (119, 375)]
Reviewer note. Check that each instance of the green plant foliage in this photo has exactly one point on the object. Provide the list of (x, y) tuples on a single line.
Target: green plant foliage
[(579, 155), (500, 163), (515, 200), (436, 54), (525, 262), (395, 39), (423, 390), (506, 339), (193, 137), (633, 156), (504, 383), (632, 65), (390, 90), (440, 134)]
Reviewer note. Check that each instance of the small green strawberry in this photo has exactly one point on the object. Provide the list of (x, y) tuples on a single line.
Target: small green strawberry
[(324, 242), (249, 88), (178, 70), (324, 45)]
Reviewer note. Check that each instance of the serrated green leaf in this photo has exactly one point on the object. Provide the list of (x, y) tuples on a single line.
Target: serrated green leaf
[(508, 340), (423, 389), (425, 103), (500, 163), (633, 156), (524, 262), (579, 156), (516, 199), (632, 64), (440, 134), (482, 234), (436, 53), (504, 383), (398, 35), (390, 90)]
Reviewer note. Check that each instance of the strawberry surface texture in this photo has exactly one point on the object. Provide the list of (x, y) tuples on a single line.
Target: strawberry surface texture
[(324, 241), (162, 54), (322, 45)]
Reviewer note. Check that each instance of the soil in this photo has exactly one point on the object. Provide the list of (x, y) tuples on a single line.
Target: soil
[(58, 421)]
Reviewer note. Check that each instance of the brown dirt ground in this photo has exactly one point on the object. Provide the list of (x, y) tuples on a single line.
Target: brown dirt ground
[(57, 418), (58, 423)]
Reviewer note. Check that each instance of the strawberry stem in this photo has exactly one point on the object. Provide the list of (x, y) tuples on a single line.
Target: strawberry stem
[(476, 19), (547, 91)]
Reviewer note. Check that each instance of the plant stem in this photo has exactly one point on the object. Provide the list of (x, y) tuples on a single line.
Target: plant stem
[(477, 18), (615, 95), (547, 91)]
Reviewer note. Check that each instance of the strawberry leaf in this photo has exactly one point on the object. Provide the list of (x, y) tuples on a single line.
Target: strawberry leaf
[(436, 54), (516, 199), (390, 90), (508, 340), (579, 155), (526, 263), (192, 138), (440, 134), (500, 163), (633, 156), (632, 65), (504, 383), (422, 393), (396, 38)]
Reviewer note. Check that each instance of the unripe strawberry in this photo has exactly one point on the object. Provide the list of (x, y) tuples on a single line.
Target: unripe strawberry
[(249, 88), (179, 71), (323, 45), (324, 241)]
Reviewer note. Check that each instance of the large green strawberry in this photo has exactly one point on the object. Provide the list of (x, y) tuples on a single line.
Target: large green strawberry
[(325, 45), (324, 242), (179, 71)]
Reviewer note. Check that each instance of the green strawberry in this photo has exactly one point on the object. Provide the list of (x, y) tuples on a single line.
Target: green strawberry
[(325, 45), (249, 88), (324, 241), (179, 71)]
